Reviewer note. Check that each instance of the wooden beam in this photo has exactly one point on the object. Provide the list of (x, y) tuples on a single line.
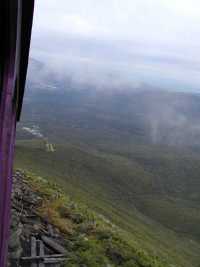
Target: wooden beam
[(42, 257), (33, 250), (53, 245), (41, 245)]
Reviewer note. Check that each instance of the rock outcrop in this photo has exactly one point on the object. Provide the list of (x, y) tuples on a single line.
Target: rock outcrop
[(28, 226)]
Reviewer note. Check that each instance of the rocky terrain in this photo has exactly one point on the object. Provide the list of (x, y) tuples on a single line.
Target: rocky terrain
[(30, 232), (48, 229)]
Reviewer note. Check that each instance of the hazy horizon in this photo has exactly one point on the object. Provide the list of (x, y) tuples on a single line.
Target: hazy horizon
[(129, 42)]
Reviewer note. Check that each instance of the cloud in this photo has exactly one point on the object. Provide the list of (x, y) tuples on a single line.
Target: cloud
[(152, 20), (153, 41)]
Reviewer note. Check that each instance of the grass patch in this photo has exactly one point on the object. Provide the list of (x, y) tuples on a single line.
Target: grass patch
[(91, 240)]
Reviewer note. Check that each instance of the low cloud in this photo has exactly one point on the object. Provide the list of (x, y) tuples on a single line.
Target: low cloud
[(154, 41)]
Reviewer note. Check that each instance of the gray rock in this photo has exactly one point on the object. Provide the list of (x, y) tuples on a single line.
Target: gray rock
[(14, 241), (16, 254)]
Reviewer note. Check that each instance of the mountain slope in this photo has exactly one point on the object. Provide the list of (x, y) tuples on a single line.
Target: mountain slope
[(84, 237), (132, 155), (95, 179)]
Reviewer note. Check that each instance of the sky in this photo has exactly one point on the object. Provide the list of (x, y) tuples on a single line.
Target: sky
[(120, 42)]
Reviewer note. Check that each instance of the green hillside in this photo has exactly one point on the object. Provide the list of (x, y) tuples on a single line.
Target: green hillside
[(125, 191), (88, 239), (132, 156)]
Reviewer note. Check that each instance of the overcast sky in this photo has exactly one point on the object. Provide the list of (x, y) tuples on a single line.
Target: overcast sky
[(128, 41)]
